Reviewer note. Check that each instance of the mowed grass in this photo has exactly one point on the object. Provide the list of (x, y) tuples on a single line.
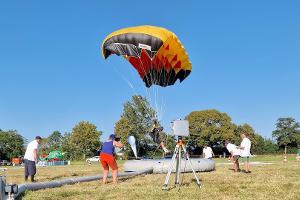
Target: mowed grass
[(276, 181)]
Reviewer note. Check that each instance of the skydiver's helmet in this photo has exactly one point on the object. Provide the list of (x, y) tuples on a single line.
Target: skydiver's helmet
[(158, 129)]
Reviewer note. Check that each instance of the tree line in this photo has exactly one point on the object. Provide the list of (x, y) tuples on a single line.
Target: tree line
[(81, 142), (206, 126)]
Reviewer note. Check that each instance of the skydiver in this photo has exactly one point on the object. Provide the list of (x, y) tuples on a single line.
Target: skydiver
[(155, 134)]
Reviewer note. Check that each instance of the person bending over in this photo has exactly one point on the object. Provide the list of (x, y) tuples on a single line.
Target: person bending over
[(234, 155), (107, 158)]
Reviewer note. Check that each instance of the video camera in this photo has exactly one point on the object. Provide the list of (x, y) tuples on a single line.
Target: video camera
[(180, 127)]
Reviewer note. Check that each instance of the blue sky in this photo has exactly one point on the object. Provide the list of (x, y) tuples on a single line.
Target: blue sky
[(245, 56)]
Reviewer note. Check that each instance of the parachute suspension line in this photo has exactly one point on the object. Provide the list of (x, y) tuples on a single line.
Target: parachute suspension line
[(159, 94), (156, 93), (129, 84), (126, 80), (163, 77), (162, 107), (148, 90), (152, 90), (157, 99), (147, 94)]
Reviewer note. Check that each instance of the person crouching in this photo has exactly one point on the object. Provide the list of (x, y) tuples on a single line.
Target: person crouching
[(107, 158)]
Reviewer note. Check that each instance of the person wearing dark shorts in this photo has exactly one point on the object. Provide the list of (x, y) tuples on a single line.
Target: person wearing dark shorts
[(30, 169), (31, 157), (107, 158), (236, 158)]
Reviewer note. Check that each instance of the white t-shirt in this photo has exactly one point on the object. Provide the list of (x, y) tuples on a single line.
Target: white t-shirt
[(246, 143), (232, 148), (29, 155), (207, 152)]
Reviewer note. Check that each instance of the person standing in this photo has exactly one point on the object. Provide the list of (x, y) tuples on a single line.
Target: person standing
[(245, 151), (207, 152), (235, 154), (107, 158), (31, 158)]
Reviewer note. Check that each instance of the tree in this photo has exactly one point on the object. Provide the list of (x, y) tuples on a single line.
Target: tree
[(11, 144), (287, 132), (209, 126), (270, 147), (136, 120), (84, 139), (213, 127), (54, 141), (68, 147)]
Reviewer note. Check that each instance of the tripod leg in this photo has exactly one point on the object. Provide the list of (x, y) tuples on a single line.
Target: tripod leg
[(178, 167), (189, 161), (170, 169)]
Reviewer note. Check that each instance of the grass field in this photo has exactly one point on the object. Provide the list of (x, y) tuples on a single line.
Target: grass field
[(275, 181)]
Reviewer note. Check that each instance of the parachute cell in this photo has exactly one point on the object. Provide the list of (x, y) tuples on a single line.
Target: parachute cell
[(155, 52)]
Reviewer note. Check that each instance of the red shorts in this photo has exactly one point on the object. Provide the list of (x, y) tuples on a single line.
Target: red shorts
[(108, 160)]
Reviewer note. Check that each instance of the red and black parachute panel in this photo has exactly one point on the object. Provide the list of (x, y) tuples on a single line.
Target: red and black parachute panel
[(154, 52)]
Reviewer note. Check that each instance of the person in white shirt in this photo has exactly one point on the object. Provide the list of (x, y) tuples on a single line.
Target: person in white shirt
[(31, 157), (207, 152), (235, 154), (245, 151)]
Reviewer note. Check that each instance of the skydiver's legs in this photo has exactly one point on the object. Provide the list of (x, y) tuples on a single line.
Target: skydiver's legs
[(164, 147)]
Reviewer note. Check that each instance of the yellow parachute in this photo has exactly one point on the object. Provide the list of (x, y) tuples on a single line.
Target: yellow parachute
[(156, 53)]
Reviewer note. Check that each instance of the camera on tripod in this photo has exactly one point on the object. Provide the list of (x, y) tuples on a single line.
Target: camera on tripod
[(180, 127)]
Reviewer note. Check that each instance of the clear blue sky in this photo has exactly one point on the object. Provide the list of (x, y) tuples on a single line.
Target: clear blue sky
[(245, 56)]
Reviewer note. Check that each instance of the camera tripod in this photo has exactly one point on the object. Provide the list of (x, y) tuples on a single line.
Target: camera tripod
[(177, 158)]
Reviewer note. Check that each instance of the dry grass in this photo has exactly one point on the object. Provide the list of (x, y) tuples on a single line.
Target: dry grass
[(276, 181), (16, 175)]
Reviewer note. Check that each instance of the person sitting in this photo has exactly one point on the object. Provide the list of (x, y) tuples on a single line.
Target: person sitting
[(107, 158)]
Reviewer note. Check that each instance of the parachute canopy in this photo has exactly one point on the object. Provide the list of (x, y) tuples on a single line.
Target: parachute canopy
[(155, 52)]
